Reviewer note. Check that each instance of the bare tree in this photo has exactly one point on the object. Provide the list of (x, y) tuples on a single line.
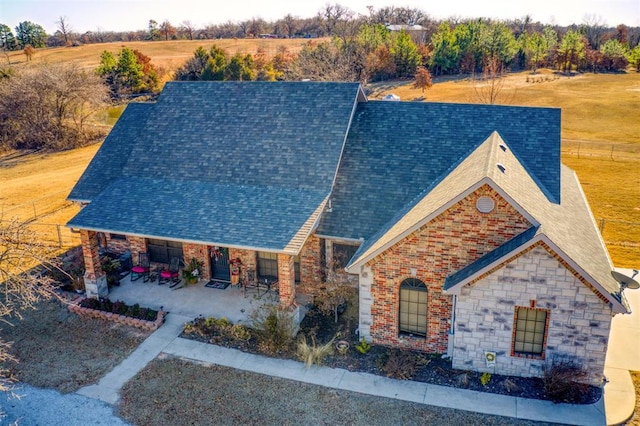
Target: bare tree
[(65, 29), (47, 107), (188, 28), (24, 277), (490, 88), (167, 30)]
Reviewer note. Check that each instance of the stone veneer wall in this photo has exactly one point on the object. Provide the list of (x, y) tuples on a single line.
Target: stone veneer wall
[(451, 241), (95, 280), (578, 320), (200, 252)]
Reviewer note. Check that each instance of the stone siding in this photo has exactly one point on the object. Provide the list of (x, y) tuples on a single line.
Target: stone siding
[(578, 320), (454, 239)]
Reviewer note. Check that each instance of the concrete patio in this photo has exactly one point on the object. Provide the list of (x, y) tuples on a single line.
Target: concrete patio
[(192, 300)]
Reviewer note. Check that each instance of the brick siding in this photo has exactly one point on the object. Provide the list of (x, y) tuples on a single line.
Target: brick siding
[(451, 241)]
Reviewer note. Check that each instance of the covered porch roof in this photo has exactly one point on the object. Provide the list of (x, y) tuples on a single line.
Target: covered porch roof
[(260, 218)]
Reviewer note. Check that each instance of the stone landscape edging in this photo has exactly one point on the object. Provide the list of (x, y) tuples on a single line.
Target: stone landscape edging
[(121, 319)]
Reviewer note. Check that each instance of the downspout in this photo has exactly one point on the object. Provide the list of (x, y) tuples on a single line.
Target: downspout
[(452, 328)]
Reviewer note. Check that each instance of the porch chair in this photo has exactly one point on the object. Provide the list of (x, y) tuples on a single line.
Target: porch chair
[(172, 274), (249, 283), (142, 269)]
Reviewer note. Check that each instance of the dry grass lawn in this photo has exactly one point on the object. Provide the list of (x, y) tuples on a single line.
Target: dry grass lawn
[(166, 56), (595, 107), (635, 419), (210, 394), (56, 349)]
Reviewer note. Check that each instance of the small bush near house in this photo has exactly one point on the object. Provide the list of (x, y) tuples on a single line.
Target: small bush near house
[(403, 365), (563, 382), (275, 329), (313, 354)]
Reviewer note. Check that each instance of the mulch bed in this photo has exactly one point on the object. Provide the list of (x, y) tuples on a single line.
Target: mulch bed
[(431, 368)]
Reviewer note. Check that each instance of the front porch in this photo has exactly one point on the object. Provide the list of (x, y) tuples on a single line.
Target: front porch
[(194, 299)]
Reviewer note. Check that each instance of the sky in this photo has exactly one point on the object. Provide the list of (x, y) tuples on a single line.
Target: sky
[(124, 15)]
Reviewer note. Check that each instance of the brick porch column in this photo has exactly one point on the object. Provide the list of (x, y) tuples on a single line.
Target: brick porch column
[(286, 280), (200, 252), (95, 280)]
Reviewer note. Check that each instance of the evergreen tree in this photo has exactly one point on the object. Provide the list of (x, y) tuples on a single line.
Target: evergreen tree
[(32, 34), (405, 54), (7, 39)]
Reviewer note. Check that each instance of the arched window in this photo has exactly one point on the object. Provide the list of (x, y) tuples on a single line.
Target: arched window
[(413, 307)]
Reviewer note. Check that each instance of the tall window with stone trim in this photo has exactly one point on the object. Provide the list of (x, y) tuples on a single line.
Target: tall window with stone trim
[(413, 307), (530, 328)]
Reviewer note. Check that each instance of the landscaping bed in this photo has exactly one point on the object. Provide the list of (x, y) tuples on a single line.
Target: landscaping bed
[(318, 329), (103, 308)]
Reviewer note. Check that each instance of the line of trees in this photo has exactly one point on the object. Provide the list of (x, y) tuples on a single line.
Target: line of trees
[(48, 107)]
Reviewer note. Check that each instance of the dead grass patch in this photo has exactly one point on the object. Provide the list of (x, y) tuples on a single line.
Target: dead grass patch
[(635, 419), (56, 349), (172, 391)]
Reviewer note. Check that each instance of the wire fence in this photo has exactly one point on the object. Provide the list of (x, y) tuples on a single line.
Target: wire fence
[(37, 208), (612, 151)]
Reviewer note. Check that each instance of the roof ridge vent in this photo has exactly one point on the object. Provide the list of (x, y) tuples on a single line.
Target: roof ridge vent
[(501, 167)]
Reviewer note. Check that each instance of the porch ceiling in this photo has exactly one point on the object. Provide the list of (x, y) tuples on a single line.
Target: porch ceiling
[(268, 218)]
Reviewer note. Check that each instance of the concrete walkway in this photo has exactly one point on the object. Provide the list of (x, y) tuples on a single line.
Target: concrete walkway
[(165, 340), (623, 354), (108, 388), (616, 406)]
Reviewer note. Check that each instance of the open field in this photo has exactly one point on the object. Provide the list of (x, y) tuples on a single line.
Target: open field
[(35, 187), (595, 107), (166, 56)]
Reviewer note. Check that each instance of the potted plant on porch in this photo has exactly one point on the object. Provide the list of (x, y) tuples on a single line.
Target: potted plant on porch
[(191, 272)]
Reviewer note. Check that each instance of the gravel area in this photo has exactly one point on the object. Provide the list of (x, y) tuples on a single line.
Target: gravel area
[(33, 406)]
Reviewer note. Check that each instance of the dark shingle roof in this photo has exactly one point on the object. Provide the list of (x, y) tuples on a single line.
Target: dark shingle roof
[(397, 149), (225, 214), (106, 166), (284, 138), (490, 258)]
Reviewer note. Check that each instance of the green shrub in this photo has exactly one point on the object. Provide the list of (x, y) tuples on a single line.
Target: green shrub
[(485, 378), (363, 347)]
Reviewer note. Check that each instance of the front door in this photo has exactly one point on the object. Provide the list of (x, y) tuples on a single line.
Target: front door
[(220, 263)]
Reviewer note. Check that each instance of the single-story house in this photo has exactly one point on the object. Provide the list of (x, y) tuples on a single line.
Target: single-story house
[(463, 230)]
